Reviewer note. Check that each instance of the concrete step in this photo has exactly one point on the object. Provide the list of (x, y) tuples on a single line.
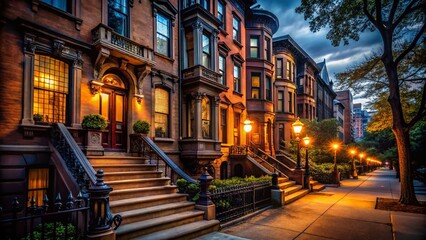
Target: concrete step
[(282, 180), (138, 183), (141, 192), (145, 227), (287, 184), (313, 182), (318, 187), (292, 189), (124, 167), (156, 211), (187, 231), (143, 202), (295, 196), (115, 159), (114, 176)]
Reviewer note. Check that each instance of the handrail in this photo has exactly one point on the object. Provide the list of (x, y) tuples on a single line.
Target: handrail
[(259, 165), (146, 147), (74, 158), (275, 160), (268, 163)]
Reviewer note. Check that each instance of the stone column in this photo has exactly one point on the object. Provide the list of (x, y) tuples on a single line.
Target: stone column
[(28, 84), (76, 91), (197, 118), (198, 42)]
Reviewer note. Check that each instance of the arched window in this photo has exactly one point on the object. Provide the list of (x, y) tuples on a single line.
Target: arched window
[(51, 87)]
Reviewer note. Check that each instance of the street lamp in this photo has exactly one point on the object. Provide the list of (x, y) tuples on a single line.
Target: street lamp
[(297, 127), (361, 169), (368, 168), (336, 173), (353, 168), (306, 141)]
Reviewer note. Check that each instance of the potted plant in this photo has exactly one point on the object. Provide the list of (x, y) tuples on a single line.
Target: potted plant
[(141, 126), (94, 124), (38, 118), (159, 132)]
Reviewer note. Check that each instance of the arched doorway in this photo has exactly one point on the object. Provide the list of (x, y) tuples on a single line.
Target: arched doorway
[(224, 170), (113, 101), (238, 171)]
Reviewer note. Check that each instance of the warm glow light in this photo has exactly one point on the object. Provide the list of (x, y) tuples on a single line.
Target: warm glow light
[(297, 126), (361, 155), (247, 126), (306, 140), (352, 151), (335, 146)]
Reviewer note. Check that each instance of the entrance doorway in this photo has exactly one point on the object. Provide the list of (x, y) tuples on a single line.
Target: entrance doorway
[(113, 108)]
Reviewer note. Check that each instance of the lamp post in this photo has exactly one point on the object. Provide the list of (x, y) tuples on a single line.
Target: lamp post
[(306, 141), (361, 169), (336, 173), (247, 128), (353, 168), (368, 168), (297, 127)]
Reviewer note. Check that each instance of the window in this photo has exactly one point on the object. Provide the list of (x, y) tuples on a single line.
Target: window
[(51, 86), (190, 2), (300, 109), (237, 78), (205, 117), (237, 118), (162, 112), (163, 35), (267, 49), (290, 102), (63, 5), (206, 51), (38, 184), (255, 85), (280, 99), (222, 69), (279, 73), (118, 16), (190, 48), (254, 46), (293, 72), (221, 12), (268, 88), (236, 29), (224, 133), (205, 4), (288, 70)]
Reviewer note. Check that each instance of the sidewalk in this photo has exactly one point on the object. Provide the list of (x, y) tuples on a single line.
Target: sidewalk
[(342, 213)]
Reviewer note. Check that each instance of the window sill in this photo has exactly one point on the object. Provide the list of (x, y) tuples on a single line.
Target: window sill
[(236, 42), (164, 56), (163, 139), (237, 93), (78, 21)]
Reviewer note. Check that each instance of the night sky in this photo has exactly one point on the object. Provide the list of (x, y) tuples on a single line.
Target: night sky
[(316, 44)]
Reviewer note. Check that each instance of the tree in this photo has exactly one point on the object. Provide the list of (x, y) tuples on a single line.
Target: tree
[(401, 25)]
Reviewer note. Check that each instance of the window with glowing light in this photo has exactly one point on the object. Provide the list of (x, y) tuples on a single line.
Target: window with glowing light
[(38, 184), (51, 88), (162, 110)]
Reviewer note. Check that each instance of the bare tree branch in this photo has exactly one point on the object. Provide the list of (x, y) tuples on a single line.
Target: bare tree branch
[(409, 9), (412, 44), (378, 4), (393, 10), (367, 13)]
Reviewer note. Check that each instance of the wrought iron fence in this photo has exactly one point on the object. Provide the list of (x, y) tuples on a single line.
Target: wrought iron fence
[(68, 220), (236, 201)]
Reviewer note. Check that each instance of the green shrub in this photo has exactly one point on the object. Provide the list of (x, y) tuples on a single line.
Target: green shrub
[(94, 121), (141, 126), (54, 231), (181, 184)]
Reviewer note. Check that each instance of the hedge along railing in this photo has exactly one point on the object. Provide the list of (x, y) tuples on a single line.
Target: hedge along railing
[(239, 200), (64, 220), (145, 147)]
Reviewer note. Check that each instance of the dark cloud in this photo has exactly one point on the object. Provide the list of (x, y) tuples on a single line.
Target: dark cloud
[(316, 44)]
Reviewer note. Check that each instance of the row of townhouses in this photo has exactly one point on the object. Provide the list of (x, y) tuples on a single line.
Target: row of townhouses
[(196, 70)]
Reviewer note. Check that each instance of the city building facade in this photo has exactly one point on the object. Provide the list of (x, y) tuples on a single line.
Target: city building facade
[(345, 98), (325, 94), (340, 117)]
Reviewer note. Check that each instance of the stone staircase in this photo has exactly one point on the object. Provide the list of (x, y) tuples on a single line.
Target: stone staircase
[(292, 191), (316, 186), (151, 208)]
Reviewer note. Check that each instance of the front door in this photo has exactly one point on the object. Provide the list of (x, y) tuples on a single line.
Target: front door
[(113, 108)]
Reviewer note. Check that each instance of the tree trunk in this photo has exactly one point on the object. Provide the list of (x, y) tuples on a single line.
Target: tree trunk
[(408, 195)]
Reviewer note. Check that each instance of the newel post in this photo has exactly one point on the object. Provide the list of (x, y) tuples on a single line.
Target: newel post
[(204, 202), (100, 218)]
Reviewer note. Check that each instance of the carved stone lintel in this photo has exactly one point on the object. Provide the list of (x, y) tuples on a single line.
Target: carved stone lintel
[(29, 43), (78, 61), (197, 25), (96, 87), (58, 46), (102, 55), (198, 96), (123, 64)]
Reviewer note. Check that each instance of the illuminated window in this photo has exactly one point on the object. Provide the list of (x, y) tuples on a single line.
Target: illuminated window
[(206, 117), (280, 99), (279, 67), (162, 110), (255, 85), (163, 35), (51, 78), (38, 184), (224, 133), (118, 16)]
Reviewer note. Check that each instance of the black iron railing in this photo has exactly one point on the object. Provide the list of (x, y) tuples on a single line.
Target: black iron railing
[(236, 201), (66, 219), (146, 148)]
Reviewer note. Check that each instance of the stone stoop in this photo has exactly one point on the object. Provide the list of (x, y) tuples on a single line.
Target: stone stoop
[(292, 191), (151, 208), (315, 186)]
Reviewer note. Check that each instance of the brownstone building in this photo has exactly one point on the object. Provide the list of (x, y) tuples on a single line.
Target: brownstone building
[(345, 98)]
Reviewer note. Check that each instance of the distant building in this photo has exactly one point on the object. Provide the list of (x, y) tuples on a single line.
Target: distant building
[(325, 94), (361, 118), (338, 114), (345, 97)]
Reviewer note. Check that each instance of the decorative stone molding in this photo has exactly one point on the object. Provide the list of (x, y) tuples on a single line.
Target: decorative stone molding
[(96, 87), (100, 59), (58, 46), (29, 43), (142, 72)]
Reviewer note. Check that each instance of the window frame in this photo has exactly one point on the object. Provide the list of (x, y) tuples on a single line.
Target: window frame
[(258, 88), (205, 4), (206, 55), (209, 119), (68, 5), (236, 30), (127, 17), (279, 70), (280, 101), (267, 49), (223, 13), (223, 125), (268, 92), (222, 71), (290, 102), (169, 32), (237, 80), (167, 133), (254, 47), (48, 189)]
